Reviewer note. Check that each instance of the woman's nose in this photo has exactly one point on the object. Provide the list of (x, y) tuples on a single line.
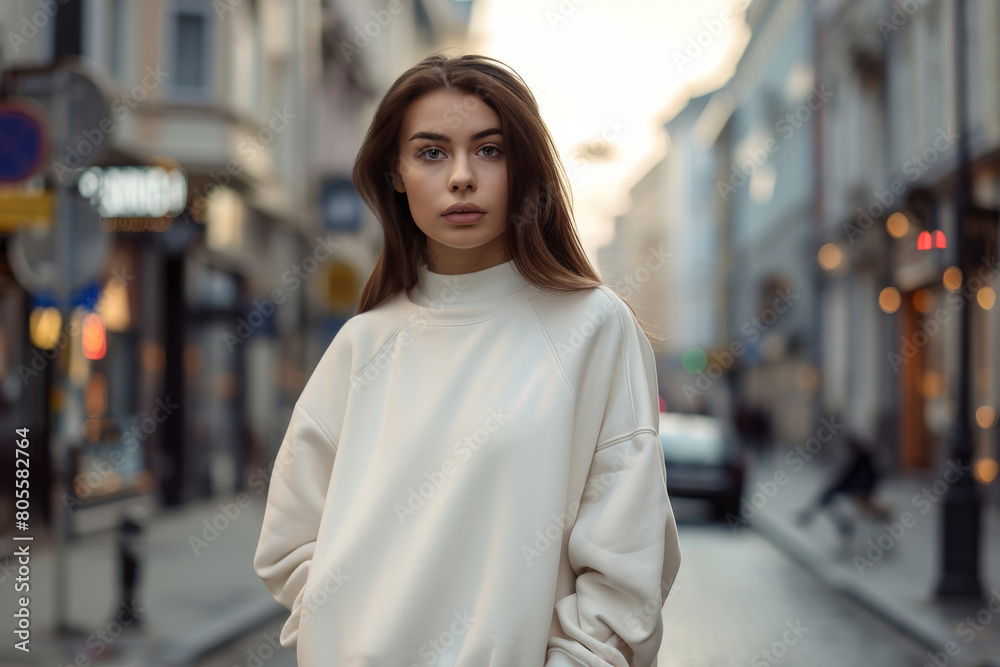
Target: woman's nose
[(461, 176)]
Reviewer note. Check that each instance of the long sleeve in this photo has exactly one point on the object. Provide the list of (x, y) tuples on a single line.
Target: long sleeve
[(623, 544), (295, 503)]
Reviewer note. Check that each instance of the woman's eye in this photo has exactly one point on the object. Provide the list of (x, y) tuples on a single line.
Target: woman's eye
[(494, 149), (428, 153)]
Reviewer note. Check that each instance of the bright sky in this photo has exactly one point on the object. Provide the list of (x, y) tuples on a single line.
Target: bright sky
[(611, 68)]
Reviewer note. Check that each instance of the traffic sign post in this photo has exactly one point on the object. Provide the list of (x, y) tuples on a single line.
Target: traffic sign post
[(76, 111), (24, 144)]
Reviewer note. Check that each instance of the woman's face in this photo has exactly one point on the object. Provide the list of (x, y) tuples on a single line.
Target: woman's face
[(451, 156)]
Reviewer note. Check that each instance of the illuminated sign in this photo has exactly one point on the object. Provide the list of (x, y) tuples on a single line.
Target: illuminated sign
[(134, 192)]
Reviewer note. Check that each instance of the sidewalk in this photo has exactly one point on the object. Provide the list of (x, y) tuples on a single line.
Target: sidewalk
[(894, 575), (193, 603)]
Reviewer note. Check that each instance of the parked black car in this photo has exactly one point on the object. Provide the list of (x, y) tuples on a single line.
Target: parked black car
[(703, 460)]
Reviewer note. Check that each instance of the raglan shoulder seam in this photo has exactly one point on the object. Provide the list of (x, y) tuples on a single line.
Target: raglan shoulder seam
[(625, 438), (377, 356), (625, 360), (308, 412), (552, 348)]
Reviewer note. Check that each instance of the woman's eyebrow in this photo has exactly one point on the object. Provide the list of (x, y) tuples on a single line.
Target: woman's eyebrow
[(434, 136)]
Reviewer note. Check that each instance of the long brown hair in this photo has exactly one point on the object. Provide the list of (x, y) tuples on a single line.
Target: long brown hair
[(541, 235)]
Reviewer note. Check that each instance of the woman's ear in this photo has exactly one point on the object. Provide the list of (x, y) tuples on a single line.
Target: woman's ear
[(393, 178)]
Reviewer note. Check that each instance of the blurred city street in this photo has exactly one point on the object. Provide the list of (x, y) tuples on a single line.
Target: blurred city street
[(799, 200)]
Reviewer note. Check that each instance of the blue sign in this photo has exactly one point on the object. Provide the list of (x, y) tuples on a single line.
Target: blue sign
[(340, 205), (86, 297), (22, 142)]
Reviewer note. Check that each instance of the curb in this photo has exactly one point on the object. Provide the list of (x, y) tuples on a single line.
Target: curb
[(215, 635), (788, 540)]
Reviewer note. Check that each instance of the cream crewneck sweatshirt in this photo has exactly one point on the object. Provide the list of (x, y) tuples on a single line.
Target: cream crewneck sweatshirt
[(473, 477)]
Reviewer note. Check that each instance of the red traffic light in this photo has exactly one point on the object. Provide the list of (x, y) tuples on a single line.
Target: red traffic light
[(924, 240)]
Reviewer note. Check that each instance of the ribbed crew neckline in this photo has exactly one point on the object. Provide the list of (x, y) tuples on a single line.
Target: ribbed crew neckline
[(439, 298)]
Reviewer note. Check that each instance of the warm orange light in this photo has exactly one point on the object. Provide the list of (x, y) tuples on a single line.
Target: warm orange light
[(44, 327), (924, 241), (985, 416), (897, 225), (829, 256), (923, 300), (952, 278), (94, 338), (985, 470), (986, 296), (889, 299), (932, 384)]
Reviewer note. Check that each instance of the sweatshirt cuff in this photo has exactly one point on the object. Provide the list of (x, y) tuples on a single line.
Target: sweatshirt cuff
[(558, 658)]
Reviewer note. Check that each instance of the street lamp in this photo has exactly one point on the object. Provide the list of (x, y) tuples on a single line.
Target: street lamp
[(961, 513)]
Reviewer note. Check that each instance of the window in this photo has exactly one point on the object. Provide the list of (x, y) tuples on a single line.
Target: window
[(116, 55), (189, 25)]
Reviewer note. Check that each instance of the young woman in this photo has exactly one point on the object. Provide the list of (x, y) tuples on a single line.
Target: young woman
[(473, 474)]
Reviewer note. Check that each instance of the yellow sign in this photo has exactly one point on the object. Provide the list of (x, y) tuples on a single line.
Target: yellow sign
[(341, 285), (20, 208)]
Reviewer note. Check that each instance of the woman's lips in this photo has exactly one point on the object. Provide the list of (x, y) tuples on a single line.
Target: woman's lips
[(464, 218)]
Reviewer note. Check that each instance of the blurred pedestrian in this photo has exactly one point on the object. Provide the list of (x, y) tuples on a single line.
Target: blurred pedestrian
[(130, 552), (476, 454), (856, 481)]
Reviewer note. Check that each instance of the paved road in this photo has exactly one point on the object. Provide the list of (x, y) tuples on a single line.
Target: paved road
[(256, 649), (739, 601)]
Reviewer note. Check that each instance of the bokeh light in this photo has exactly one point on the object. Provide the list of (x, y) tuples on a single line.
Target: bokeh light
[(897, 225), (889, 299), (694, 360), (986, 416), (830, 256), (986, 297), (952, 278), (923, 300)]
